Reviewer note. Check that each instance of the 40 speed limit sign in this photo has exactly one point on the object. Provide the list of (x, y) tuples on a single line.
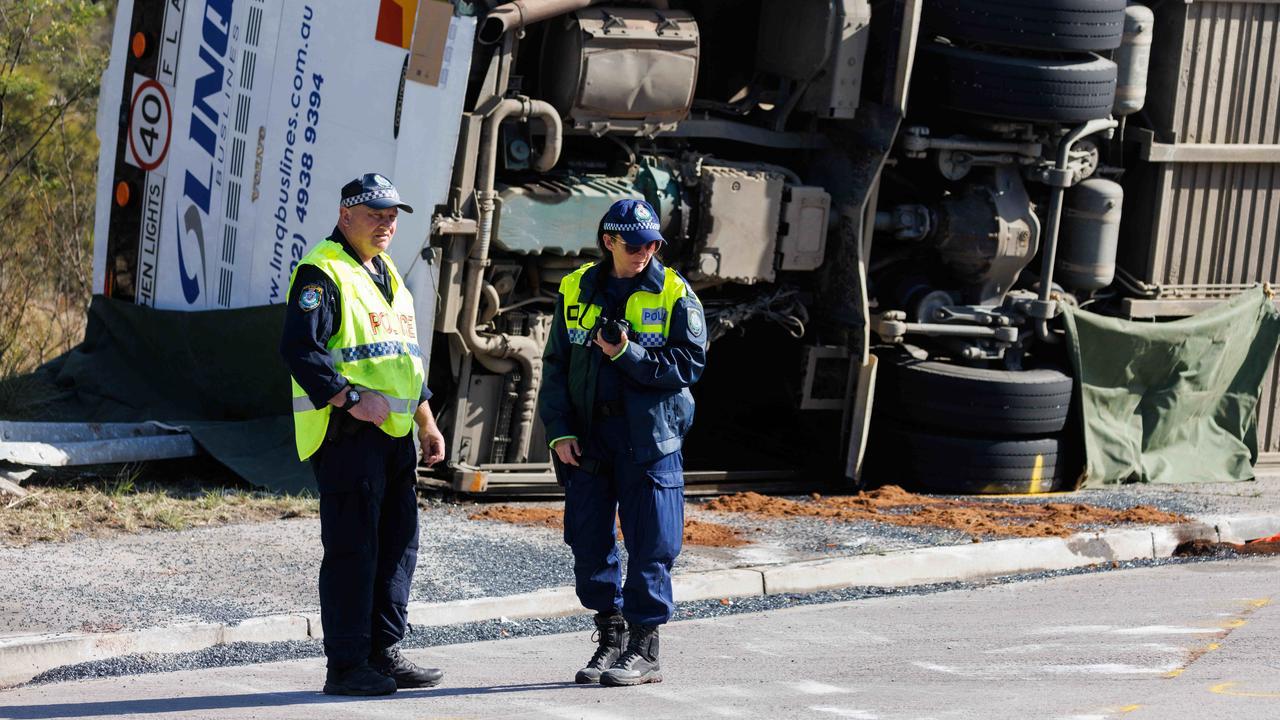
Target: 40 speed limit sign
[(150, 124)]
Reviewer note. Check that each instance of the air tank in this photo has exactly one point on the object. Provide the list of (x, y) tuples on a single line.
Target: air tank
[(1090, 235), (1132, 58)]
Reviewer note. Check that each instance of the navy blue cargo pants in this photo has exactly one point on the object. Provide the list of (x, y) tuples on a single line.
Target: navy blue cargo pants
[(369, 529), (648, 499)]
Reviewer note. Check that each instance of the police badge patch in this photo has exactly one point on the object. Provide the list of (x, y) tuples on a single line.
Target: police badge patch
[(309, 298), (695, 321)]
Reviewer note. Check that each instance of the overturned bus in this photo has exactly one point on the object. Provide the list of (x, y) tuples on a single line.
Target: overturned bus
[(884, 206)]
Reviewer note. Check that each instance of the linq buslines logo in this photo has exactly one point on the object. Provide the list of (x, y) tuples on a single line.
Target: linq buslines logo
[(197, 189)]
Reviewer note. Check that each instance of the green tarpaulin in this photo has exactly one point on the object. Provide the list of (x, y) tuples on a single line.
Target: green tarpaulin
[(1175, 401), (216, 372)]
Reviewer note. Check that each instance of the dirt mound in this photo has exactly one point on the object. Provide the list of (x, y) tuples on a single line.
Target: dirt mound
[(892, 504), (1206, 548), (545, 517), (696, 532), (700, 532)]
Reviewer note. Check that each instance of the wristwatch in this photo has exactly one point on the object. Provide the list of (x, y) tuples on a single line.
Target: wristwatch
[(353, 397)]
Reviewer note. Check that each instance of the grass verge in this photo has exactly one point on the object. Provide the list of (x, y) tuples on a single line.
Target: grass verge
[(168, 495)]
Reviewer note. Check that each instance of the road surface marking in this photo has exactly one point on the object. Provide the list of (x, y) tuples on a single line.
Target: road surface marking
[(1166, 630), (1072, 629), (812, 687), (1226, 689), (846, 712), (937, 668), (1105, 669), (1017, 670)]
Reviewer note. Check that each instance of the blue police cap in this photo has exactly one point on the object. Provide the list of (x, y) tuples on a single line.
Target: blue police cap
[(634, 220), (373, 190)]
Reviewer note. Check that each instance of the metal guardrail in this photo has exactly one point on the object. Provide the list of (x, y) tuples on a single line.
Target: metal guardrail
[(65, 444)]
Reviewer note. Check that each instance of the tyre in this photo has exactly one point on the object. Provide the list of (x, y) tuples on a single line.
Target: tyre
[(931, 394), (1013, 88), (1051, 25), (968, 465)]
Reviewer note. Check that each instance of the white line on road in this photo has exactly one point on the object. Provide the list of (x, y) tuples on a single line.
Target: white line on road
[(813, 687), (846, 712), (1107, 669), (1167, 630)]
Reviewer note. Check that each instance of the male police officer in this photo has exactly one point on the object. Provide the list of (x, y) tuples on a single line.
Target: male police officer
[(627, 341), (350, 342)]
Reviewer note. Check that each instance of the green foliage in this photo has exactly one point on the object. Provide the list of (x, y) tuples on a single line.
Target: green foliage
[(125, 481), (52, 54)]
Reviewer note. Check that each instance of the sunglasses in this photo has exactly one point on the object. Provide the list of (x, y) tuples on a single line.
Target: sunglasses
[(650, 246)]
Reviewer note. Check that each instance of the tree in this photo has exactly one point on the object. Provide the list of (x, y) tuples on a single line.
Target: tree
[(52, 55)]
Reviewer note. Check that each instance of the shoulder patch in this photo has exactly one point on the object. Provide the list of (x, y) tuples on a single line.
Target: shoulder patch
[(695, 319), (309, 298)]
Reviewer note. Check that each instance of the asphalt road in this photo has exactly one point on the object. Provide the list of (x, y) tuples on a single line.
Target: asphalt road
[(1186, 641)]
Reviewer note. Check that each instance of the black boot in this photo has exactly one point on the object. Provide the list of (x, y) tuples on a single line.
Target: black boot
[(611, 633), (397, 667), (358, 680), (639, 664)]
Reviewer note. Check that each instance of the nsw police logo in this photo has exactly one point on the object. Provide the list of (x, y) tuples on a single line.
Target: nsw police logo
[(642, 213), (309, 298), (381, 181), (695, 321)]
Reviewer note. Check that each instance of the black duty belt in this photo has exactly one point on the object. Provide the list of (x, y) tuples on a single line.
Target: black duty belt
[(611, 408)]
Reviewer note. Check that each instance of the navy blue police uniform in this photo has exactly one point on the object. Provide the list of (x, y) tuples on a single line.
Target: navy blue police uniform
[(367, 484), (630, 414)]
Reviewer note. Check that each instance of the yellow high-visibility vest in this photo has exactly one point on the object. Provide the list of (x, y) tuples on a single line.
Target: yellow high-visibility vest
[(649, 313), (375, 346)]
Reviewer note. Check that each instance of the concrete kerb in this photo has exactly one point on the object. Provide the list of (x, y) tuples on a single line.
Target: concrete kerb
[(24, 657), (976, 561), (1242, 528)]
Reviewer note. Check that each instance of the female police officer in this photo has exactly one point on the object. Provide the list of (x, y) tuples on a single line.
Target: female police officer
[(627, 341)]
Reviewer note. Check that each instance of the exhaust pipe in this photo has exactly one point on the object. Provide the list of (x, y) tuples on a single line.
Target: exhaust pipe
[(502, 352)]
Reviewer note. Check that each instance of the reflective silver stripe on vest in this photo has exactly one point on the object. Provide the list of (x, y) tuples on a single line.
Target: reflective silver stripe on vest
[(373, 350), (397, 405), (303, 404)]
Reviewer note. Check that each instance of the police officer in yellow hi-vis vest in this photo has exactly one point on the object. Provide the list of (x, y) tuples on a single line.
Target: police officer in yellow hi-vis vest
[(350, 343), (627, 341)]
